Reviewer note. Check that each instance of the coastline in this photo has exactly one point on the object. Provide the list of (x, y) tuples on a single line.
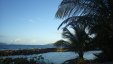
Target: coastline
[(30, 51)]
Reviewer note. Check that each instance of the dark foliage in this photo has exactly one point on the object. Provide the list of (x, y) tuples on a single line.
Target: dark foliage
[(17, 61), (94, 15)]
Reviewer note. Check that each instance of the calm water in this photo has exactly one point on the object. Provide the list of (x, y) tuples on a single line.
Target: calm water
[(15, 47), (56, 57)]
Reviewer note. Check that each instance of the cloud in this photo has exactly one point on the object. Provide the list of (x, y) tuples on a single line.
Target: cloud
[(31, 21), (34, 20), (17, 40), (26, 20), (24, 41)]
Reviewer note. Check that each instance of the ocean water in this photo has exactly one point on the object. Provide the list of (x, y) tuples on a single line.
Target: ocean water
[(57, 57), (16, 47), (54, 57)]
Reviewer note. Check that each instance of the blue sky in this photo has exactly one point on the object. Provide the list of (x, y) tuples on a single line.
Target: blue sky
[(29, 21)]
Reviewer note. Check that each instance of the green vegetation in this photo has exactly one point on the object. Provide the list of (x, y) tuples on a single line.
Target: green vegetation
[(26, 51), (35, 60), (88, 24), (16, 61), (61, 43)]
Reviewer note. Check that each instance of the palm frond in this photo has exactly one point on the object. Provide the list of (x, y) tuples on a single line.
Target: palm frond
[(66, 7), (77, 20)]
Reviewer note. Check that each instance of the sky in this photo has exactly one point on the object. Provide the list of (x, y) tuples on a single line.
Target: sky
[(30, 22)]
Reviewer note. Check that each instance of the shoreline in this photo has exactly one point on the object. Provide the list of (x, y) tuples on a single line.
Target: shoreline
[(31, 51)]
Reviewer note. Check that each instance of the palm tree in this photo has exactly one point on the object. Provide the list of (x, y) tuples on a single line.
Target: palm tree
[(78, 39), (103, 41), (87, 14), (77, 42), (71, 8), (95, 9)]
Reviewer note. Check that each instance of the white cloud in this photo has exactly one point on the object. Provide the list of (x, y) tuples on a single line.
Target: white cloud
[(28, 41), (26, 20), (31, 21), (34, 20), (17, 40)]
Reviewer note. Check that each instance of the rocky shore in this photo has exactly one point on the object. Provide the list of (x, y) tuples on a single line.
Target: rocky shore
[(30, 51)]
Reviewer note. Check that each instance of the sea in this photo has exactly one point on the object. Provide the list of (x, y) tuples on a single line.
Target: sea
[(20, 47), (50, 57)]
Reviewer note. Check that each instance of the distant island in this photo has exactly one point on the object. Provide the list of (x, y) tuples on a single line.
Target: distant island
[(1, 43)]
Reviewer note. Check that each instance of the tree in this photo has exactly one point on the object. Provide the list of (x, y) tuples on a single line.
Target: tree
[(95, 9), (76, 21), (62, 43), (78, 40), (90, 14), (103, 41)]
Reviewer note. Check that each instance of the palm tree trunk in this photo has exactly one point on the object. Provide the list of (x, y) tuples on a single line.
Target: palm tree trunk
[(81, 58), (80, 53)]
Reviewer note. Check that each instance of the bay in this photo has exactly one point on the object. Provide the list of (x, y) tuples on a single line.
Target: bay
[(18, 47), (57, 57)]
